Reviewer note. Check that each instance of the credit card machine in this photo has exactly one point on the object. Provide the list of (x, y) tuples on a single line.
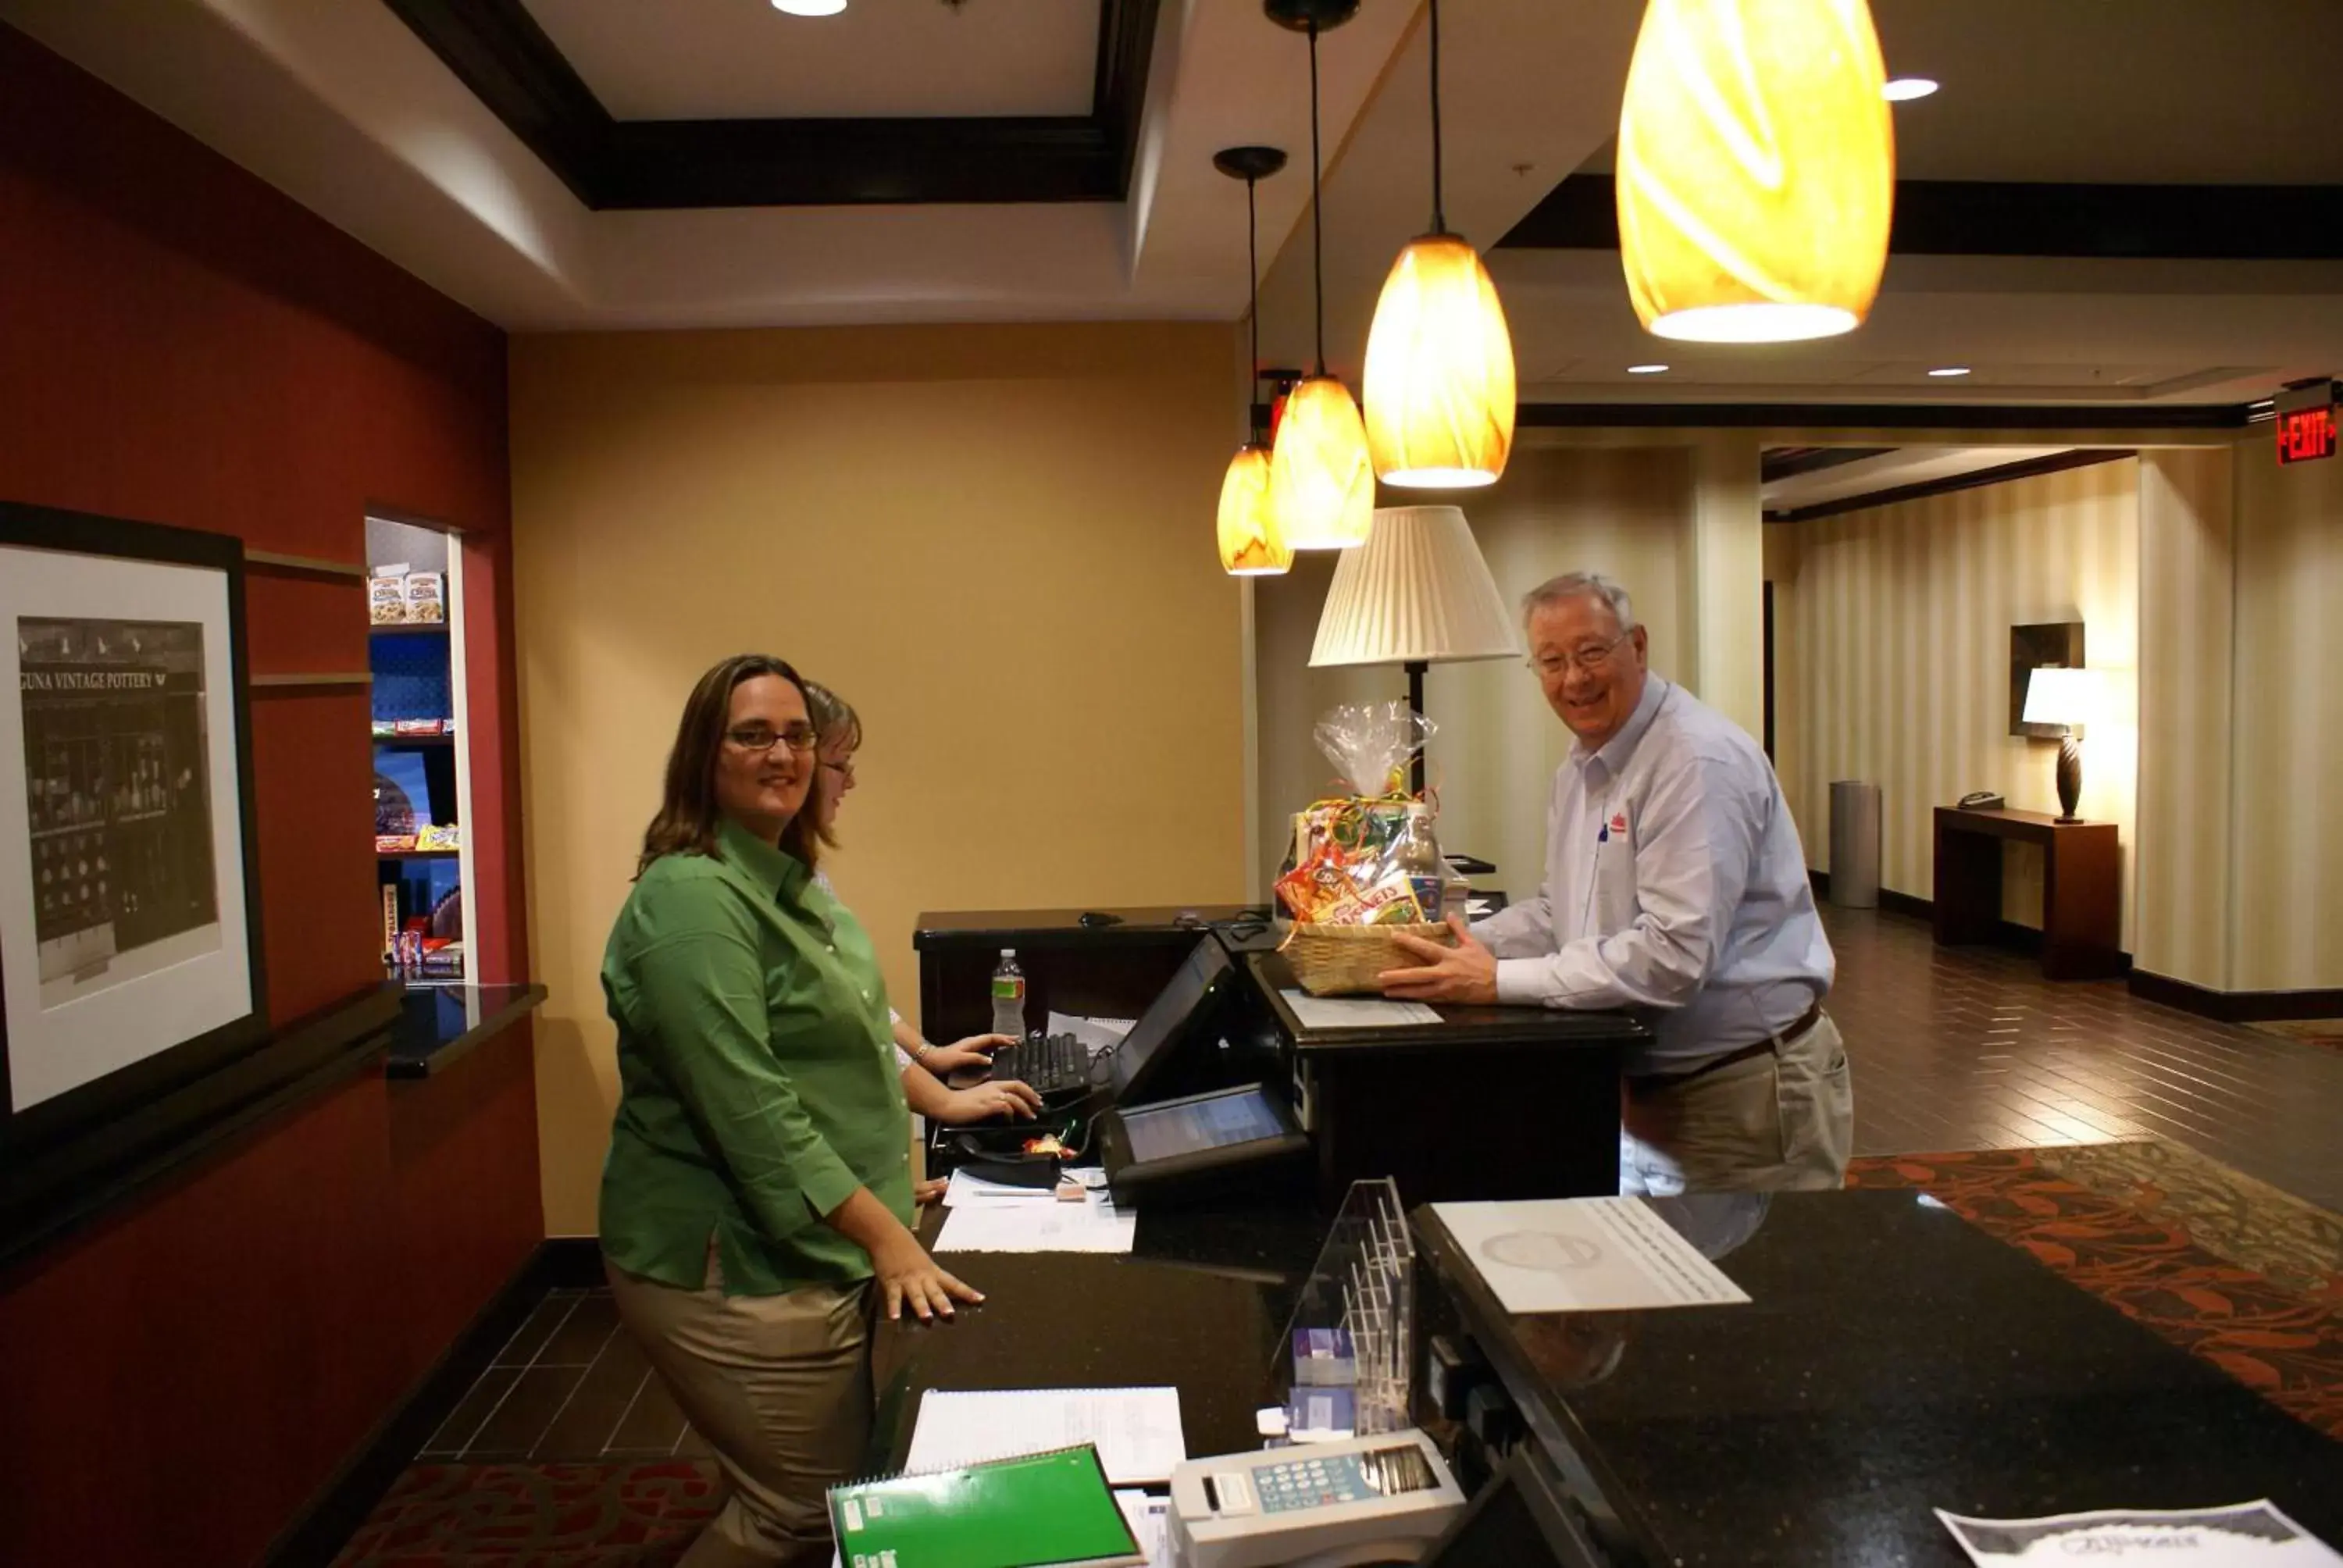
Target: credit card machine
[(1378, 1499)]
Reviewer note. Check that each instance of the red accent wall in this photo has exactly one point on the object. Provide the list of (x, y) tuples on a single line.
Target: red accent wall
[(182, 344)]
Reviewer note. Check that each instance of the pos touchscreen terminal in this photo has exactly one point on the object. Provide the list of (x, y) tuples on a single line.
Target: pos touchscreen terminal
[(1199, 1144)]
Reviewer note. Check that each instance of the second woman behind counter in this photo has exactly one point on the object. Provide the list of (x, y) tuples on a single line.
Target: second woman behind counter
[(924, 1065)]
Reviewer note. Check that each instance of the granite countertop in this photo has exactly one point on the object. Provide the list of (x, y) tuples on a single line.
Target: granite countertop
[(1892, 1359), (439, 1025), (1200, 1303)]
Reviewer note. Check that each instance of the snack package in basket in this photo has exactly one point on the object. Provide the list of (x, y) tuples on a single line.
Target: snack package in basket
[(1346, 868)]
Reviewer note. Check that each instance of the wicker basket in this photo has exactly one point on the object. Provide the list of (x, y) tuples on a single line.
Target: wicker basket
[(1343, 960)]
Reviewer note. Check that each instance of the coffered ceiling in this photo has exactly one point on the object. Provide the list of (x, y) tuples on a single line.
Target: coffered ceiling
[(595, 163)]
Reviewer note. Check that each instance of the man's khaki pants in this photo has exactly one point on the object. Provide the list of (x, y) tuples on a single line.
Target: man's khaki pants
[(1782, 1122), (780, 1388)]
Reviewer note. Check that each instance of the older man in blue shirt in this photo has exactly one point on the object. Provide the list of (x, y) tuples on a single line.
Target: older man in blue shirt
[(1674, 884)]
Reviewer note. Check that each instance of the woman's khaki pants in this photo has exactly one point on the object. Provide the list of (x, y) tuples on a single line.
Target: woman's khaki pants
[(779, 1386)]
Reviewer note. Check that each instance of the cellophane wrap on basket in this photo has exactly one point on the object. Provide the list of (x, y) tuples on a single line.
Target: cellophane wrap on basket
[(1347, 870), (1371, 745)]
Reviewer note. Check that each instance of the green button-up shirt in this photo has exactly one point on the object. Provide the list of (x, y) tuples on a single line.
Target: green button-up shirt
[(757, 1085)]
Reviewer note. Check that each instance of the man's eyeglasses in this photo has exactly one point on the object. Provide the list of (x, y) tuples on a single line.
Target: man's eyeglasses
[(764, 737), (1591, 658)]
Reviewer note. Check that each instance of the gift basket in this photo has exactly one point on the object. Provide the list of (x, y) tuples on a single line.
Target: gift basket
[(1363, 866)]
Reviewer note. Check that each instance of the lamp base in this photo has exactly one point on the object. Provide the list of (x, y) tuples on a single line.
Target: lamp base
[(2070, 779)]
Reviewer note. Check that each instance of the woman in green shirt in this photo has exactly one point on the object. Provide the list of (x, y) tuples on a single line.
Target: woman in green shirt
[(758, 1176)]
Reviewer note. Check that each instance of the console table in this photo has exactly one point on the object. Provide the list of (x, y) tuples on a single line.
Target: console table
[(2082, 881)]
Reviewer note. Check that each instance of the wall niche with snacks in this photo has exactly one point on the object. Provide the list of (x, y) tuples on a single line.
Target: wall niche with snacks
[(422, 782)]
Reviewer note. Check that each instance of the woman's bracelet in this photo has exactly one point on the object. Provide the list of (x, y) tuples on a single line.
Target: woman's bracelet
[(919, 1051)]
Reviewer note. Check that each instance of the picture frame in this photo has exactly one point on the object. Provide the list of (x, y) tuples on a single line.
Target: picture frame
[(131, 959), (2043, 645)]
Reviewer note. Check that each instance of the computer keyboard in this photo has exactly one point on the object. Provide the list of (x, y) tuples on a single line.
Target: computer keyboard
[(1050, 1064)]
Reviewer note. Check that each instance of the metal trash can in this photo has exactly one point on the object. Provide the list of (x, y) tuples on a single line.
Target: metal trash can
[(1854, 844)]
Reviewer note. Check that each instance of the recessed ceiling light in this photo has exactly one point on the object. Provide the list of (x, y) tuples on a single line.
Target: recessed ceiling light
[(1944, 371), (825, 8), (1902, 90), (1646, 369)]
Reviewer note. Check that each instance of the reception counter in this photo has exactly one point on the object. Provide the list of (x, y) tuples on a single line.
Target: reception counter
[(1485, 1103), (1892, 1359)]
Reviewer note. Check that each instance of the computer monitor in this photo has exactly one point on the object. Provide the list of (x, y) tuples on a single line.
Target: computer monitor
[(1186, 1007)]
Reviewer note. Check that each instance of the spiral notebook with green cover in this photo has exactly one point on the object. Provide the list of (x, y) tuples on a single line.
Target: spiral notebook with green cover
[(1050, 1510)]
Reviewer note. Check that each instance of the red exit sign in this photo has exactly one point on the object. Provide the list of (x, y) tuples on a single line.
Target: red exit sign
[(2305, 422)]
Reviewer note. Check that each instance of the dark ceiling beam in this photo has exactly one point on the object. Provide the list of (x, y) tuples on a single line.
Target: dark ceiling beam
[(1884, 416), (847, 162), (1993, 217), (1975, 478), (1126, 52), (497, 49), (1787, 462), (498, 52)]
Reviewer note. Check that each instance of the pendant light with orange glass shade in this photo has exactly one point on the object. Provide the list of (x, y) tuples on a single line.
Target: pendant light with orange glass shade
[(1440, 361), (1252, 544), (1320, 483), (1755, 175)]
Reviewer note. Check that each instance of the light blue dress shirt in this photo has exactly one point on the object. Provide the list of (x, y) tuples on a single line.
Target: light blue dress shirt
[(1674, 882)]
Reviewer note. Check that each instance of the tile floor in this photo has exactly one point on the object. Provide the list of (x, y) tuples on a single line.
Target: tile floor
[(1952, 1049), (571, 1385)]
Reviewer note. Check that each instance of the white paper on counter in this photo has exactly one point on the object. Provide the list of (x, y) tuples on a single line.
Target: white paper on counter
[(1148, 1517), (2245, 1536), (1137, 1430), (1356, 1012), (965, 1187), (1009, 1225), (1096, 1034), (1584, 1254)]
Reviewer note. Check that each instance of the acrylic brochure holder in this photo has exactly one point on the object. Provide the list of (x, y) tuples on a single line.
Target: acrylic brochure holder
[(1345, 1364)]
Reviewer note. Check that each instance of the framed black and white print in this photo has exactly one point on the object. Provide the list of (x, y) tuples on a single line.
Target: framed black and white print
[(129, 911)]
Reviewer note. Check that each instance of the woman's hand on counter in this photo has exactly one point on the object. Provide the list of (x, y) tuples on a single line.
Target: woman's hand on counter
[(908, 1277), (930, 1191), (990, 1102)]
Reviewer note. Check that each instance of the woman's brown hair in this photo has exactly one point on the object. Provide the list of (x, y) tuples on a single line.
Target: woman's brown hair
[(835, 721), (687, 814)]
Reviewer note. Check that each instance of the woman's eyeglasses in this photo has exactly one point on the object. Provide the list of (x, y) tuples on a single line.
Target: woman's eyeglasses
[(757, 737), (845, 770)]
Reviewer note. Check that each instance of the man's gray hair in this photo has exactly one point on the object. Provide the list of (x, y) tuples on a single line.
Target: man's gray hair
[(1570, 585)]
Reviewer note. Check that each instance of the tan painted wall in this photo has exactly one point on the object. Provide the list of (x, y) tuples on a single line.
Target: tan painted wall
[(995, 541), (2187, 758), (1892, 659), (2287, 898)]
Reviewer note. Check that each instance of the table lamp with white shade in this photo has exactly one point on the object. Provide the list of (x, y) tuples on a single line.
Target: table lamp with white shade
[(2070, 698), (1415, 594)]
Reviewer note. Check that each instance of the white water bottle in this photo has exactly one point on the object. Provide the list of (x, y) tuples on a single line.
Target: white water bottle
[(1009, 996)]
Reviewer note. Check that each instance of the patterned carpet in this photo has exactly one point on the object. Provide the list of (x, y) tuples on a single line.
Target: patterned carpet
[(537, 1516), (2240, 1273), (2228, 1269)]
